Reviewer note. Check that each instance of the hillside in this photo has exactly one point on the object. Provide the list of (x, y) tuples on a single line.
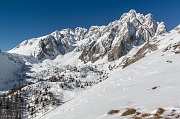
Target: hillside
[(146, 85), (11, 66)]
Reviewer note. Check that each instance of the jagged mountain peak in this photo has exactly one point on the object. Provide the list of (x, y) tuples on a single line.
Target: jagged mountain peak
[(131, 13), (119, 37), (177, 28), (149, 16)]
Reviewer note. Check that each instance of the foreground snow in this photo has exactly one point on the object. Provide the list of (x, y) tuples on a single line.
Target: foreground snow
[(150, 83)]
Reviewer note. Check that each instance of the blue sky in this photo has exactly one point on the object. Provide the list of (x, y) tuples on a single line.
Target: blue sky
[(25, 19)]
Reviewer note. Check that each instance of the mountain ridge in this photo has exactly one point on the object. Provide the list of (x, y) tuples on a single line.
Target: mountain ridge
[(113, 40)]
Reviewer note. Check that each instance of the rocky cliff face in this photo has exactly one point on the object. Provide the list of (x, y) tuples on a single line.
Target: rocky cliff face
[(114, 40), (59, 42), (56, 43), (118, 38)]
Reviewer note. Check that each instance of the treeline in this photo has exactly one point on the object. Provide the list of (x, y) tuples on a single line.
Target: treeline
[(27, 100), (13, 106)]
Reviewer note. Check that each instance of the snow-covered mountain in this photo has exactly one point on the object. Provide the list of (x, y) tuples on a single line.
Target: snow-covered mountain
[(130, 65), (119, 37), (56, 43), (114, 40), (146, 89)]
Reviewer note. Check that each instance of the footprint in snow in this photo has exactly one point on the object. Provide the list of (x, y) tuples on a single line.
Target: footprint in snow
[(118, 85), (104, 89), (125, 88), (113, 82), (103, 115), (129, 78)]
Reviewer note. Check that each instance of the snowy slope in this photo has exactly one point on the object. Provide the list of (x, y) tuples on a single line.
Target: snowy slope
[(146, 85), (9, 67)]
